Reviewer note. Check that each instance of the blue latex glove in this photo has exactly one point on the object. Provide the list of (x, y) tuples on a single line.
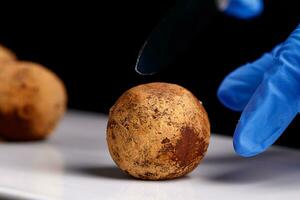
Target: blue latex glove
[(268, 92), (242, 9)]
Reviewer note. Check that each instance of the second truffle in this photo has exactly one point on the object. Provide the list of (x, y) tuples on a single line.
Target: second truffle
[(32, 100)]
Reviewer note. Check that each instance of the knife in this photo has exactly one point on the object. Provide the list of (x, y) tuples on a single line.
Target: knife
[(174, 34)]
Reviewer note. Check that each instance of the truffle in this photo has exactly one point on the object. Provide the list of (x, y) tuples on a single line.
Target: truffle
[(157, 131), (32, 100)]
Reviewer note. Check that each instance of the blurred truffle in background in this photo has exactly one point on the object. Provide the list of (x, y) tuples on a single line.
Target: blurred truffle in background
[(6, 54), (32, 99)]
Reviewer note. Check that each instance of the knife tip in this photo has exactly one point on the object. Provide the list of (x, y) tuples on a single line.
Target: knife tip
[(140, 67), (140, 70)]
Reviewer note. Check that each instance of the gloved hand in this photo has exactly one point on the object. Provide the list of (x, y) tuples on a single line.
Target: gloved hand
[(243, 9), (268, 93)]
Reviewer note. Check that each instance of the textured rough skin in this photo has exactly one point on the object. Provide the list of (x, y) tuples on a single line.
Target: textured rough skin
[(6, 54), (32, 100), (158, 131)]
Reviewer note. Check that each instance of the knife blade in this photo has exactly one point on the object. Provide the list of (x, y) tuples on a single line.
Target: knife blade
[(174, 34)]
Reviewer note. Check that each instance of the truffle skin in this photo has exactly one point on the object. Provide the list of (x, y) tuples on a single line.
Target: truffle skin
[(158, 131), (6, 54), (32, 100)]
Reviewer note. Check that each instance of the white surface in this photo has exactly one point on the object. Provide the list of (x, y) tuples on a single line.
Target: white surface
[(74, 164)]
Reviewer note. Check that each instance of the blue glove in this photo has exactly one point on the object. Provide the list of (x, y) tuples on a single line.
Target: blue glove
[(268, 92), (243, 9)]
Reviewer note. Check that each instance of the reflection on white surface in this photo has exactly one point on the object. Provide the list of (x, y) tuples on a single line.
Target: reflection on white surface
[(33, 168), (48, 178), (75, 164), (152, 190)]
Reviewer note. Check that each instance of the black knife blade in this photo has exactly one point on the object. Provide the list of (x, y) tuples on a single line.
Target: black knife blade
[(174, 34)]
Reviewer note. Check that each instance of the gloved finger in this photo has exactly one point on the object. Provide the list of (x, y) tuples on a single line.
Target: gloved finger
[(237, 88), (242, 9), (274, 104)]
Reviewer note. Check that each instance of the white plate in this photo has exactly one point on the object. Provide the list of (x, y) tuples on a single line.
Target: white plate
[(75, 164)]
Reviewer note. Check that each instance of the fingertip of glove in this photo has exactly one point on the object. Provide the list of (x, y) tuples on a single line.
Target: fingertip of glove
[(245, 9), (245, 150)]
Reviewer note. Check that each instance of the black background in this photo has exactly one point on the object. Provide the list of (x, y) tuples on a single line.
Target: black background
[(93, 47)]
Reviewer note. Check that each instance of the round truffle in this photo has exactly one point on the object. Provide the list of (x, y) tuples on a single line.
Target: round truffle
[(6, 54), (158, 131), (32, 100)]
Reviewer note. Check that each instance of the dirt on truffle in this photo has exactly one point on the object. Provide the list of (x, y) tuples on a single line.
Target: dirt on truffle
[(158, 131)]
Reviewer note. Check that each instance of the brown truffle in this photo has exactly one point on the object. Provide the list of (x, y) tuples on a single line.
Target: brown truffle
[(32, 100), (6, 54), (158, 131)]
